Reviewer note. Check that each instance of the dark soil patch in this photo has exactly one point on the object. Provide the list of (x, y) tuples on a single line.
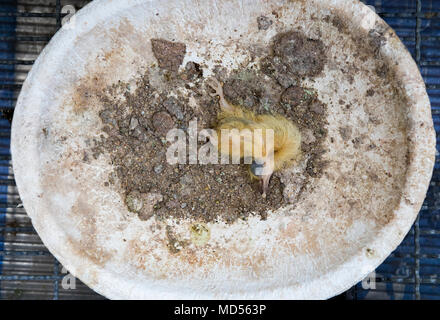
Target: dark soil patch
[(134, 131), (293, 57)]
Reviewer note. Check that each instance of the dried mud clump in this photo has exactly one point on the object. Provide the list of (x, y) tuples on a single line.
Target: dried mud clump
[(169, 54), (294, 56)]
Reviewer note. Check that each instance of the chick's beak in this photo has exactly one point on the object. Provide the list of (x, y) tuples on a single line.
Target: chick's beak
[(263, 173), (265, 184)]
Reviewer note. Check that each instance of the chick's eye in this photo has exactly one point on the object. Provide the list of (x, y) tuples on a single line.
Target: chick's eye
[(257, 168)]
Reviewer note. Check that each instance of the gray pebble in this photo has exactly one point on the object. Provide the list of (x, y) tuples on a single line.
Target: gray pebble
[(173, 107), (158, 169), (133, 123), (264, 23), (162, 123), (134, 201)]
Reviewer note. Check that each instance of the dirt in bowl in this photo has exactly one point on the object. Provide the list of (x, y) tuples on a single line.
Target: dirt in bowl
[(135, 129), (294, 56), (169, 54)]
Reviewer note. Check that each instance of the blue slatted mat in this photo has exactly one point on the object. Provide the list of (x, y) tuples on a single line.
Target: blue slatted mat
[(411, 272), (7, 52)]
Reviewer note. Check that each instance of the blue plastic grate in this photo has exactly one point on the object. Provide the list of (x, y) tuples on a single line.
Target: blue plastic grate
[(29, 271), (7, 50)]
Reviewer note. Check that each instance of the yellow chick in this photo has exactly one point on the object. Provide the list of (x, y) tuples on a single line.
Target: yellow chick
[(275, 142)]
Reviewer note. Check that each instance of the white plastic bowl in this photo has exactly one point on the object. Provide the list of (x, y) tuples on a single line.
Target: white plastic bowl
[(355, 216)]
